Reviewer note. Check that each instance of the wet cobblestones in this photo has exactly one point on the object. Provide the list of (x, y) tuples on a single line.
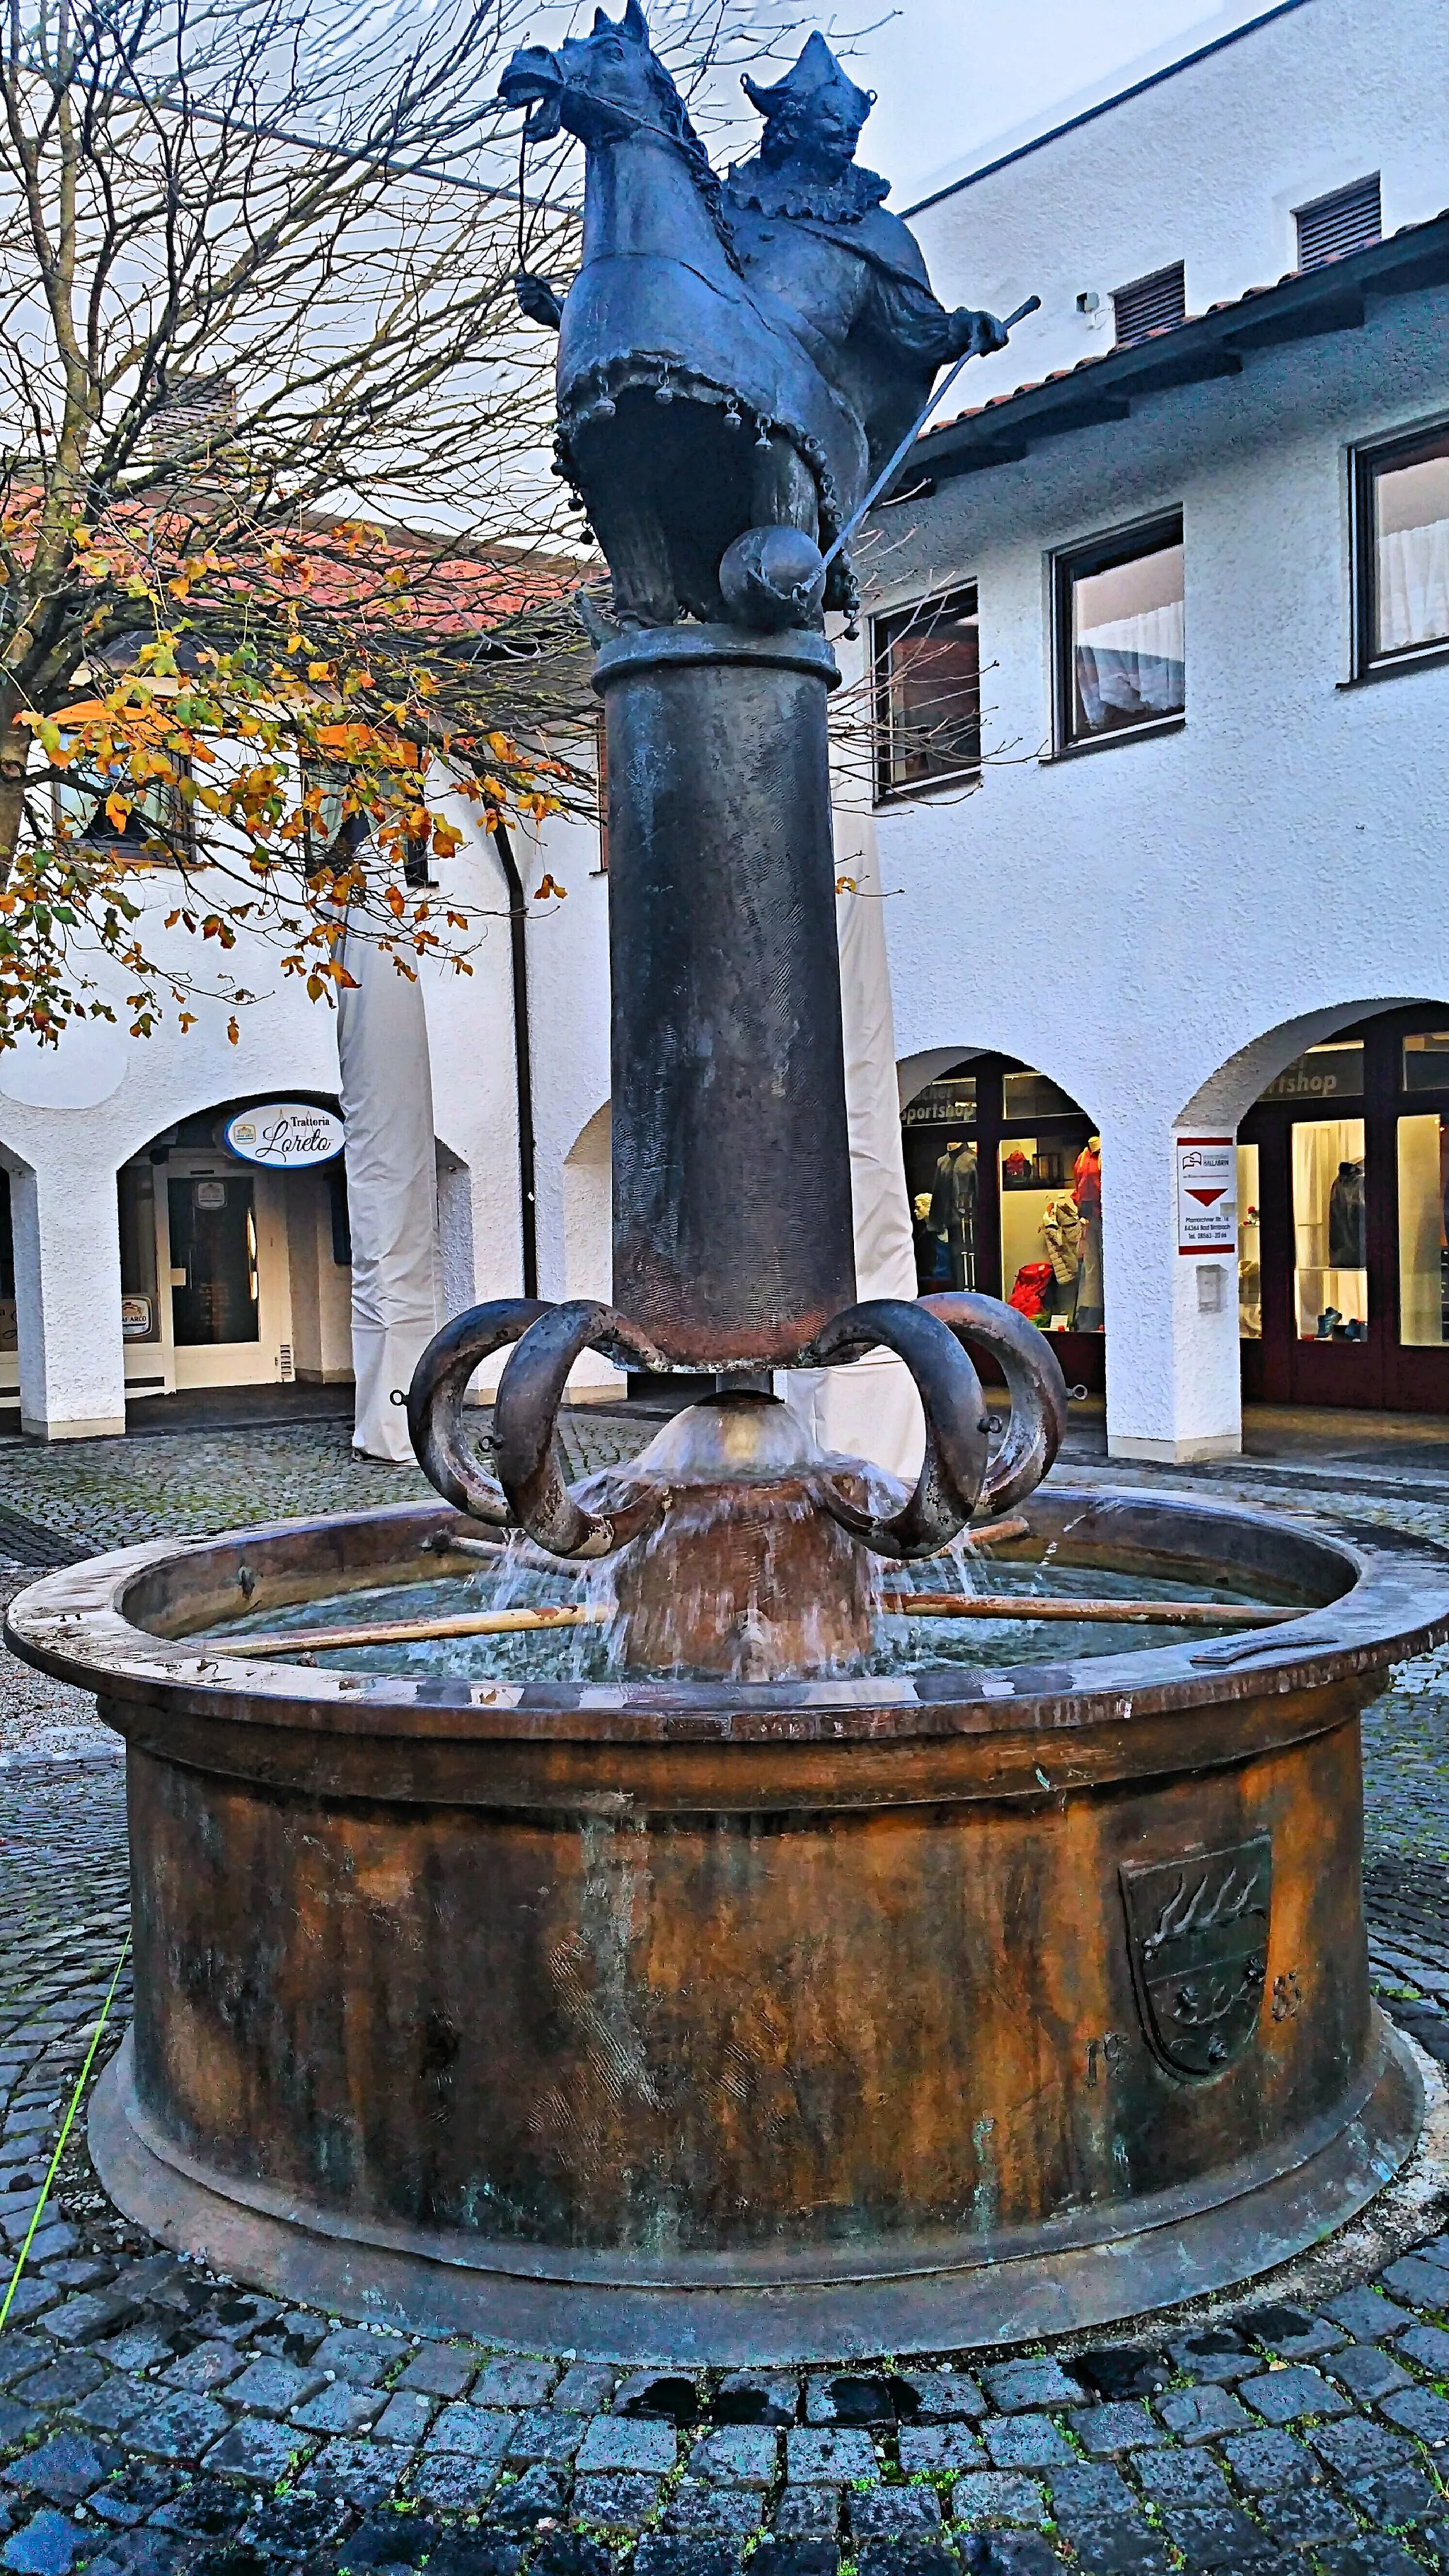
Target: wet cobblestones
[(156, 2421)]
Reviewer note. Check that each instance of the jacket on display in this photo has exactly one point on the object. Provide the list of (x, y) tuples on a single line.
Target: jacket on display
[(1347, 1233), (1062, 1227)]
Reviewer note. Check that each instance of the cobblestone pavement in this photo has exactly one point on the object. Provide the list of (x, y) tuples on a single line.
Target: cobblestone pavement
[(74, 1500), (157, 2421)]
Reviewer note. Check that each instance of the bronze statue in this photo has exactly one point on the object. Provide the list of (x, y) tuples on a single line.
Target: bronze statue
[(731, 358)]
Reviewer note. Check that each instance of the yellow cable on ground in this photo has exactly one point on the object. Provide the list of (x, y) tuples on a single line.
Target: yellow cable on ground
[(65, 2128)]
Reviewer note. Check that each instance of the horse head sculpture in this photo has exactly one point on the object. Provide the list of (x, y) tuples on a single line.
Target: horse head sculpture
[(690, 409)]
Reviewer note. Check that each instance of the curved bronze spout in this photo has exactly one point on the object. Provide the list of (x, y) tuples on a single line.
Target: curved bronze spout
[(953, 1471), (445, 1453), (1034, 1382), (525, 1417)]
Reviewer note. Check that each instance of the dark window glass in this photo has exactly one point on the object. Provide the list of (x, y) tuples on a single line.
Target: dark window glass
[(136, 1196), (214, 1241), (1155, 303), (1120, 636), (1426, 1061), (1333, 226), (1403, 554), (928, 694), (1333, 1071), (157, 825)]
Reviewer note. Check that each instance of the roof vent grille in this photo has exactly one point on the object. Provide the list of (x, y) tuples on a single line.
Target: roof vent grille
[(1155, 303), (1333, 226)]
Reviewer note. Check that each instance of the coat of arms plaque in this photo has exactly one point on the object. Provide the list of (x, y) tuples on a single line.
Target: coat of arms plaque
[(1198, 1933)]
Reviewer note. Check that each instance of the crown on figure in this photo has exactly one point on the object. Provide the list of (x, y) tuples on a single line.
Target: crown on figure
[(817, 74)]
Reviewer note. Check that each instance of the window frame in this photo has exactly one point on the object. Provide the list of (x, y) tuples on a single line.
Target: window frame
[(1366, 463), (1104, 553), (884, 627)]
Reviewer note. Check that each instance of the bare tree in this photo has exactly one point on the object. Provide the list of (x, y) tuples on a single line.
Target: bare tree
[(278, 540)]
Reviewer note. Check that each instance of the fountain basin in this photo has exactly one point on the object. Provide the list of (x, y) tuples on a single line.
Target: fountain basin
[(725, 2021)]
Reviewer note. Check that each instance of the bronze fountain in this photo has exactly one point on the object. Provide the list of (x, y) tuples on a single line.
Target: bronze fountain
[(749, 2001)]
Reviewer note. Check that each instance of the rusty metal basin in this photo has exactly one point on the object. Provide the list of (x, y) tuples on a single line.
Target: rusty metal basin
[(724, 2022)]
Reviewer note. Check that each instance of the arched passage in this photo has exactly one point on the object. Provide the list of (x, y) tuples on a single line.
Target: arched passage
[(1343, 1180), (1003, 1169)]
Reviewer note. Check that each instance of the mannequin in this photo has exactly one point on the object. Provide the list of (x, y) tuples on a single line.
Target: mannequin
[(1087, 1190), (1347, 1246), (953, 1209), (1062, 1229)]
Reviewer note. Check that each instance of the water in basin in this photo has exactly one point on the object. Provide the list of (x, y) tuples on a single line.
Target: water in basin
[(903, 1643)]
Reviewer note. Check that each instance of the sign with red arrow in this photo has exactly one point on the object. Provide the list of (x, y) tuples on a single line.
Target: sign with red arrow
[(1207, 1195)]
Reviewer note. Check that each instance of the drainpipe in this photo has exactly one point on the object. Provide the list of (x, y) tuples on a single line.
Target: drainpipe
[(522, 1050)]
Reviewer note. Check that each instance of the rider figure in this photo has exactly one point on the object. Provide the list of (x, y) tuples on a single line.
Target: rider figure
[(809, 226)]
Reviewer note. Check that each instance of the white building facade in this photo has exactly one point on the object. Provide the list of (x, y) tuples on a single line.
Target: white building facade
[(1161, 636)]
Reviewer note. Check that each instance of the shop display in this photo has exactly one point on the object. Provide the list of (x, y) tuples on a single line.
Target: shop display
[(1087, 1189), (1424, 1229), (1330, 1229), (1031, 1291), (952, 1217), (992, 1150)]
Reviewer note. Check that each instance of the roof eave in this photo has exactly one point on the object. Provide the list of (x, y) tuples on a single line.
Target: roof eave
[(1102, 390)]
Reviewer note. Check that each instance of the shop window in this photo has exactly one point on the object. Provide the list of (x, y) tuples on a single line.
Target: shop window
[(1423, 1258), (9, 1337), (952, 1100), (1250, 1246), (140, 1305), (1402, 550), (1051, 1229), (947, 1218), (927, 663), (1330, 1275), (1031, 1095), (214, 1281), (1331, 1072), (1333, 226), (1119, 618), (1155, 303), (1426, 1061)]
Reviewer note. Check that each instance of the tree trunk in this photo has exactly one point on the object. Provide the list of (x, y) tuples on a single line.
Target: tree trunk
[(14, 762)]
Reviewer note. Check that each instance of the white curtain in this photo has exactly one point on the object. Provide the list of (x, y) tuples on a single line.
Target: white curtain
[(392, 1189), (1413, 586), (1132, 666), (871, 1409)]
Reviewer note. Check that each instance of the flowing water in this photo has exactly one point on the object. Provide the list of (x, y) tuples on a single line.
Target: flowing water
[(903, 1644)]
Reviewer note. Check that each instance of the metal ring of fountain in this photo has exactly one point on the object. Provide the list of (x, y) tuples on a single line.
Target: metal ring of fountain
[(732, 2021)]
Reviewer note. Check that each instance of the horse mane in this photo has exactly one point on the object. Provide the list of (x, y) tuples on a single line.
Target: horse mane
[(676, 119)]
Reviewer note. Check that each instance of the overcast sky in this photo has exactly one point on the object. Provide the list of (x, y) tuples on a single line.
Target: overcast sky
[(953, 75)]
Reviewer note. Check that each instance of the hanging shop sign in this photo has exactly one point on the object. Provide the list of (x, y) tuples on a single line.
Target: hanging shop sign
[(284, 1135), (1207, 1194)]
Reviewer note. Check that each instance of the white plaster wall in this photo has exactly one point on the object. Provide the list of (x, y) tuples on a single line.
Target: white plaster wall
[(1134, 920), (1207, 167)]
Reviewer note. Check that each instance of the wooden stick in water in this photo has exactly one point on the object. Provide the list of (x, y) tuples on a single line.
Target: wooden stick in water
[(911, 1605), (1017, 1605)]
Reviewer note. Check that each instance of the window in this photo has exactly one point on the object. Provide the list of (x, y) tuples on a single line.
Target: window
[(1155, 303), (1119, 617), (928, 695), (1402, 553), (158, 825), (1333, 226), (136, 1201)]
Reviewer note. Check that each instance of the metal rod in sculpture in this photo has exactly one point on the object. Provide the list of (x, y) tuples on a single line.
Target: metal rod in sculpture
[(733, 1241)]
